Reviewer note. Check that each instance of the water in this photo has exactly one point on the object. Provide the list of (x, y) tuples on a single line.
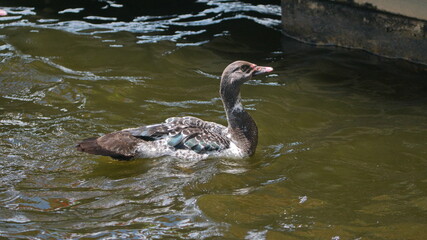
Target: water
[(342, 151)]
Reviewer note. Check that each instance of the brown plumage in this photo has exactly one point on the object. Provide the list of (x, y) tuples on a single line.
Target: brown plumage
[(119, 145)]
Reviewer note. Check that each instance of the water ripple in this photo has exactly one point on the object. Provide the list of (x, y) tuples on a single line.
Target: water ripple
[(215, 12)]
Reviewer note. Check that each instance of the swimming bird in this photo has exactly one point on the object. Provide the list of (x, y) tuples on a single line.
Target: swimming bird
[(190, 137)]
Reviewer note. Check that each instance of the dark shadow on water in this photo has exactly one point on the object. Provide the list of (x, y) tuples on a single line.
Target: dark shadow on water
[(121, 10), (340, 70)]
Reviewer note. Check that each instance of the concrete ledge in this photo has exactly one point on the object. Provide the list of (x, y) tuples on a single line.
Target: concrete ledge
[(360, 24)]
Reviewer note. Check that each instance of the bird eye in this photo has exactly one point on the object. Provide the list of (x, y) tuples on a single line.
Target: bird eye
[(244, 68)]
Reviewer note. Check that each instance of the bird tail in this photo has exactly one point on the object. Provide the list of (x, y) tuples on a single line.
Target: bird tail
[(88, 145), (91, 146)]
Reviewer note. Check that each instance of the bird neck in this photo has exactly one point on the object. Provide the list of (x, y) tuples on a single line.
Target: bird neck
[(241, 126)]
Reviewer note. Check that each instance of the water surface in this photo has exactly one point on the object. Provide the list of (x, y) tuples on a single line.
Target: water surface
[(342, 151)]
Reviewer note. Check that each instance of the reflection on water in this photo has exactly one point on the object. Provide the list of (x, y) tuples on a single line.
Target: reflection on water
[(342, 150)]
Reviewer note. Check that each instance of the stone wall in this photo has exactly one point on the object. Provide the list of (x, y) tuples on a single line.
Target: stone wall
[(381, 29)]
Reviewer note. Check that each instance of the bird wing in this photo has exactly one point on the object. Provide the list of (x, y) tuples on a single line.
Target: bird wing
[(193, 122), (185, 133), (199, 140)]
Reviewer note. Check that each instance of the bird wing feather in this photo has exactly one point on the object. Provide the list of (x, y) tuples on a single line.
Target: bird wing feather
[(185, 133), (199, 140)]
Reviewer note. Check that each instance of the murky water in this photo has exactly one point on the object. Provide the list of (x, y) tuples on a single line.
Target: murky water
[(343, 134)]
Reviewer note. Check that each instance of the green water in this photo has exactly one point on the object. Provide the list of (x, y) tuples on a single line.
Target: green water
[(343, 134)]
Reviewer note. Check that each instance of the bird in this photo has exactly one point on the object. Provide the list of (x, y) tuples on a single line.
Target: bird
[(190, 138)]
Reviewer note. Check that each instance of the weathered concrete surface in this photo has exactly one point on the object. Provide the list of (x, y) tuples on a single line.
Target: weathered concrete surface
[(381, 29), (409, 8)]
